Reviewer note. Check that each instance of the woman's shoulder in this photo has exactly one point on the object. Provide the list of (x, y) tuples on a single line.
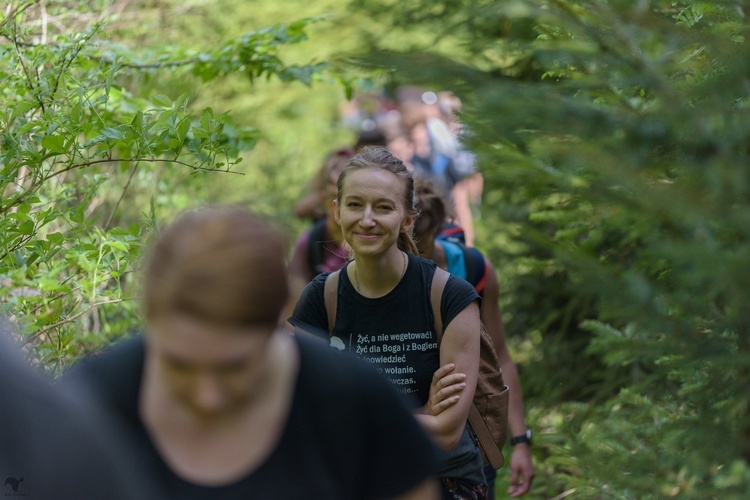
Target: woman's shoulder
[(309, 311), (316, 286), (423, 265), (120, 359), (113, 376)]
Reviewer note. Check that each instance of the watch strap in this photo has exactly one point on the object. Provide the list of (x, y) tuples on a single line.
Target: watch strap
[(523, 438)]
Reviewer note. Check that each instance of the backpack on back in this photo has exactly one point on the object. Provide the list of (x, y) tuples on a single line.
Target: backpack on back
[(453, 233), (475, 265), (315, 248), (488, 415)]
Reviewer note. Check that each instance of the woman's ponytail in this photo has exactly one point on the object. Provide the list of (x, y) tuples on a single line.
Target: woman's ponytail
[(406, 243)]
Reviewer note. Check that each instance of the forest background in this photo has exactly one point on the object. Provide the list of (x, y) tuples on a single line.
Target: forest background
[(613, 137)]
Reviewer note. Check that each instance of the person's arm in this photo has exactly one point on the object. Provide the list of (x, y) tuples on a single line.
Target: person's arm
[(427, 490), (460, 346), (464, 217), (521, 465), (445, 390)]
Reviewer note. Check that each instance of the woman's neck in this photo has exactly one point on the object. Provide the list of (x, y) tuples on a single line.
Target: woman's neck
[(218, 453), (376, 277)]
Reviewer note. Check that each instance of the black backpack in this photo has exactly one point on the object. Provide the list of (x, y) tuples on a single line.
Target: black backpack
[(315, 248)]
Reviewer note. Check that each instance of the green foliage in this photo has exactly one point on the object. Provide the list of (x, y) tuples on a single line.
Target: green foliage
[(87, 157), (613, 138)]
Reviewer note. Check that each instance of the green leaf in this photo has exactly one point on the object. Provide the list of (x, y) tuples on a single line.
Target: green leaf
[(77, 215), (182, 128), (54, 143), (27, 227), (162, 100), (119, 245), (56, 238), (49, 285), (19, 216), (112, 133), (22, 107)]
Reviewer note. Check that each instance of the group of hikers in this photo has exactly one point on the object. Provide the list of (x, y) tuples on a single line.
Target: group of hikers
[(236, 389)]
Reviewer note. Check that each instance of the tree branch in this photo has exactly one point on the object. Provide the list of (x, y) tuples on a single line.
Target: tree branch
[(20, 10), (72, 318), (156, 65), (33, 187), (32, 87), (122, 195)]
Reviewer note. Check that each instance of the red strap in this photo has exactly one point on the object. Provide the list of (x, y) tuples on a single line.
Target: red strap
[(479, 287)]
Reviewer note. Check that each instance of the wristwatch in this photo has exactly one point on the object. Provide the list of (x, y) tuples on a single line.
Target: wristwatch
[(523, 438)]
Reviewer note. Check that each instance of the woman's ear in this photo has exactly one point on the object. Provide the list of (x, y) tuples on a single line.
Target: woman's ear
[(408, 225), (336, 211)]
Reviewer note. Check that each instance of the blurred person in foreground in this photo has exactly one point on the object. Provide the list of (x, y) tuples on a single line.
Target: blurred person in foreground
[(224, 403), (471, 265), (55, 444)]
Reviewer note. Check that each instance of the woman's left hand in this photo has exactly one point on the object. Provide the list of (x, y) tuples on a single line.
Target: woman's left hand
[(445, 389)]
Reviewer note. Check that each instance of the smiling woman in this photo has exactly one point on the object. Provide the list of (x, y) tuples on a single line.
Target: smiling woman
[(384, 314), (223, 402)]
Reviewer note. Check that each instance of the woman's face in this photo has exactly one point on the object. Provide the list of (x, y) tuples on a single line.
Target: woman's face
[(211, 371), (371, 211)]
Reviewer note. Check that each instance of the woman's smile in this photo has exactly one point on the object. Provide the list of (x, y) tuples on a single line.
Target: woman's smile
[(367, 236)]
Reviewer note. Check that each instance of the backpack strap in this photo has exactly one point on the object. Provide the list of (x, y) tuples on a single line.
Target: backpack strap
[(489, 446), (476, 268), (330, 298), (470, 260), (491, 450), (452, 232), (315, 246), (439, 280)]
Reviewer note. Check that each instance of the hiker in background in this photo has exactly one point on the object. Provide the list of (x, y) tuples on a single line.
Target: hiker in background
[(438, 155), (312, 204), (224, 403), (471, 265), (321, 248), (384, 313)]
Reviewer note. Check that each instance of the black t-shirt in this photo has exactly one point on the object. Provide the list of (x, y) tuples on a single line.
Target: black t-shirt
[(55, 445), (394, 332), (348, 436)]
